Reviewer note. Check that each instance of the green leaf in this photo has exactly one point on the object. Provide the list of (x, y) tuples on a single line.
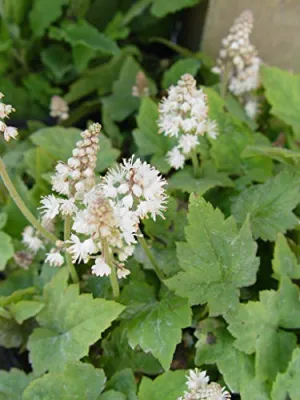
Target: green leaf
[(3, 219), (25, 309), (217, 259), (107, 155), (57, 141), (84, 34), (75, 381), (117, 355), (257, 327), (157, 327), (282, 90), (57, 60), (287, 384), (43, 14), (121, 103), (6, 249), (124, 382), (78, 322), (285, 156), (11, 334), (146, 136), (13, 383), (215, 345), (179, 68), (185, 180), (20, 279), (112, 395), (285, 262), (168, 386), (227, 148), (162, 8), (100, 78), (270, 205)]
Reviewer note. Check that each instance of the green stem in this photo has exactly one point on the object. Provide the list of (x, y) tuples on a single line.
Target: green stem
[(22, 206), (224, 81), (67, 235), (113, 275), (196, 165), (148, 253)]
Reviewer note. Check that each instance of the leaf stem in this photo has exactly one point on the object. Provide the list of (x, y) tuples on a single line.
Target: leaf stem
[(196, 165), (67, 235), (148, 253), (224, 81), (113, 275), (21, 205)]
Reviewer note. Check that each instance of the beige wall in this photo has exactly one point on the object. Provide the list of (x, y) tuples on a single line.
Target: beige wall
[(276, 32)]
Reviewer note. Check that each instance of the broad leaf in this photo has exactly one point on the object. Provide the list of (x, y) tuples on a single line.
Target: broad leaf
[(283, 93), (76, 381), (287, 384), (168, 386), (215, 345), (122, 103), (217, 259), (25, 309), (124, 382), (270, 205), (13, 383), (78, 322), (157, 327), (43, 14), (257, 327), (179, 68), (285, 262), (146, 136), (285, 156)]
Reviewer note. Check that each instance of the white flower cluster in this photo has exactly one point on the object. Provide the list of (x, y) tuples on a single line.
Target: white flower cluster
[(112, 213), (9, 132), (32, 240), (78, 177), (184, 116), (59, 108), (141, 87), (238, 58), (107, 214), (199, 388)]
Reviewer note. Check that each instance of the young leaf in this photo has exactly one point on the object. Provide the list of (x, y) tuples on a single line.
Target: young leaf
[(257, 327), (283, 93), (179, 68), (168, 386), (157, 327), (217, 259), (287, 384), (13, 383), (6, 249), (78, 322), (285, 262), (270, 205), (75, 381)]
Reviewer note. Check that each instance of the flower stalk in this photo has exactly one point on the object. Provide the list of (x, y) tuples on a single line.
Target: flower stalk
[(22, 206), (67, 235), (148, 253), (112, 276)]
